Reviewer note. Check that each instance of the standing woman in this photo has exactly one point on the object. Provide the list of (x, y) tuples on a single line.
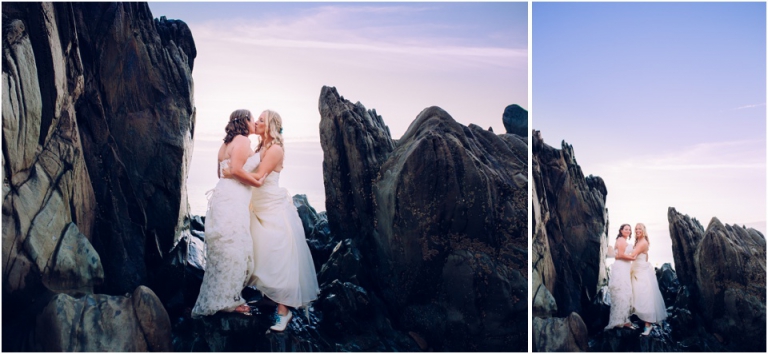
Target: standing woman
[(620, 285), (228, 244), (283, 266), (647, 301)]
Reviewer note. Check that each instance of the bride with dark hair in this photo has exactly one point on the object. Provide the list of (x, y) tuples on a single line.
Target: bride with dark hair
[(228, 243), (283, 268), (620, 284)]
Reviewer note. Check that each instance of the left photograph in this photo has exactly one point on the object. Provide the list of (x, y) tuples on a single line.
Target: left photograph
[(369, 191)]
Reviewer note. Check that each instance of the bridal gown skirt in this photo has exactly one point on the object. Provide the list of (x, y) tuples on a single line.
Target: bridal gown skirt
[(228, 245), (620, 287), (283, 267), (647, 302)]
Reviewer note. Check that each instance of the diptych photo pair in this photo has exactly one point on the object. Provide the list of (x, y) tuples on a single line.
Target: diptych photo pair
[(389, 176)]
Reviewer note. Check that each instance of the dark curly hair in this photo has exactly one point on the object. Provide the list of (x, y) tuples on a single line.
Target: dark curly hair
[(238, 124), (622, 228)]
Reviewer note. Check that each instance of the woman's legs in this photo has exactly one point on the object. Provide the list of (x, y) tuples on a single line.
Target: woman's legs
[(282, 310)]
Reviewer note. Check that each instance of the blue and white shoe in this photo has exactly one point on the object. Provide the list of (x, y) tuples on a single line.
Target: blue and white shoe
[(647, 330), (281, 322)]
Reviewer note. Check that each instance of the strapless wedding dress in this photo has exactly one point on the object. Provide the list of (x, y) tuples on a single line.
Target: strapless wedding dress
[(283, 268), (647, 301), (228, 245), (620, 287)]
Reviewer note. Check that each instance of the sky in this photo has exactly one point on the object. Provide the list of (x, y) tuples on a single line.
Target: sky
[(471, 59), (665, 101)]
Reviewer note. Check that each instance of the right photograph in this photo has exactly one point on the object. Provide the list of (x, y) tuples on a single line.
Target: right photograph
[(648, 177)]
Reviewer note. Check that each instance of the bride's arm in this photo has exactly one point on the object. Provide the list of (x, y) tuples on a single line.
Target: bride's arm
[(272, 158), (239, 155), (621, 246), (641, 247)]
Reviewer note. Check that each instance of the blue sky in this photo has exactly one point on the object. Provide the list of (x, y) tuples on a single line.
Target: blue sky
[(665, 101), (471, 59)]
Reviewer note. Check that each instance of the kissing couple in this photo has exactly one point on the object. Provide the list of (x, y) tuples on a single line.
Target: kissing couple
[(253, 233), (633, 286)]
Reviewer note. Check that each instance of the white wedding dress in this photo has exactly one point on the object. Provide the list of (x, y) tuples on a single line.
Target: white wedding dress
[(283, 268), (647, 301), (228, 245), (620, 286)]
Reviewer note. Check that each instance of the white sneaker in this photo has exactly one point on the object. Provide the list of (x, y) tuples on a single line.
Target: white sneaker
[(282, 322), (647, 330)]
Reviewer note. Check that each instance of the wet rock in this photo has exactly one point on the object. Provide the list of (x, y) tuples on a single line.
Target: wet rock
[(631, 340), (183, 270), (318, 233), (567, 334), (668, 283), (515, 120), (104, 323), (345, 265), (599, 311), (346, 308)]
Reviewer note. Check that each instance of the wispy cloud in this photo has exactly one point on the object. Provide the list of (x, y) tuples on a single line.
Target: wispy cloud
[(729, 155), (750, 106)]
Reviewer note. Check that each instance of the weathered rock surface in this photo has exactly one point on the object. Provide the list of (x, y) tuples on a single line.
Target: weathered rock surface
[(730, 269), (98, 121), (686, 233), (515, 119), (449, 256), (104, 323), (319, 238), (570, 239), (567, 334)]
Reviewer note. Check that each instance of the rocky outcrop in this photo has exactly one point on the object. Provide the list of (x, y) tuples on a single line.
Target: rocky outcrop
[(570, 236), (515, 119), (567, 334), (686, 233), (730, 272), (98, 121), (319, 238), (440, 221), (104, 323), (724, 284)]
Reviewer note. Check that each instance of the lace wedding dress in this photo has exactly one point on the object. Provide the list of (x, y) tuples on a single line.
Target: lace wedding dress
[(647, 301), (620, 286), (283, 267), (228, 245)]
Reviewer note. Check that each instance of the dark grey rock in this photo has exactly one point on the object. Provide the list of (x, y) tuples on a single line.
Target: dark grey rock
[(515, 120), (567, 334)]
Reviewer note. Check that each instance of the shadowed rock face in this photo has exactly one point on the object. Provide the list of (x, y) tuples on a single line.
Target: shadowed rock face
[(440, 220), (567, 334), (686, 233), (571, 223), (730, 271), (98, 121)]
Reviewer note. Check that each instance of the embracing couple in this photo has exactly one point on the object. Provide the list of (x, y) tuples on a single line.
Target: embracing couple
[(253, 233), (633, 285)]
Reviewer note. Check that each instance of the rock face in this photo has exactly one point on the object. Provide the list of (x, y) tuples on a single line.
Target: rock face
[(111, 323), (567, 334), (570, 236), (724, 280), (515, 120), (98, 120), (440, 219)]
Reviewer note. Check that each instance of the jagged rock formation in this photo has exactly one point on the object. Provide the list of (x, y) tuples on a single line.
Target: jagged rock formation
[(725, 272), (553, 334), (515, 119), (439, 217), (98, 123), (570, 235)]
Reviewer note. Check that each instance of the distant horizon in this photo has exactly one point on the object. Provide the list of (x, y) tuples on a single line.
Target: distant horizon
[(664, 101)]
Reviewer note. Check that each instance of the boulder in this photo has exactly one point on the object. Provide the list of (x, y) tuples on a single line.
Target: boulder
[(515, 119), (730, 270), (553, 334), (570, 241), (456, 247), (668, 283), (104, 323)]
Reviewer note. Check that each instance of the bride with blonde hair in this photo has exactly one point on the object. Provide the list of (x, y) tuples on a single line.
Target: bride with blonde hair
[(283, 268), (647, 302)]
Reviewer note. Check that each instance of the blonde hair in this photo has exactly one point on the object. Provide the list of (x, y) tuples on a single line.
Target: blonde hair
[(274, 130), (645, 234)]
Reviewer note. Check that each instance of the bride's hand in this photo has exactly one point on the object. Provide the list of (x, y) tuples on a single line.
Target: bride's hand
[(226, 173)]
